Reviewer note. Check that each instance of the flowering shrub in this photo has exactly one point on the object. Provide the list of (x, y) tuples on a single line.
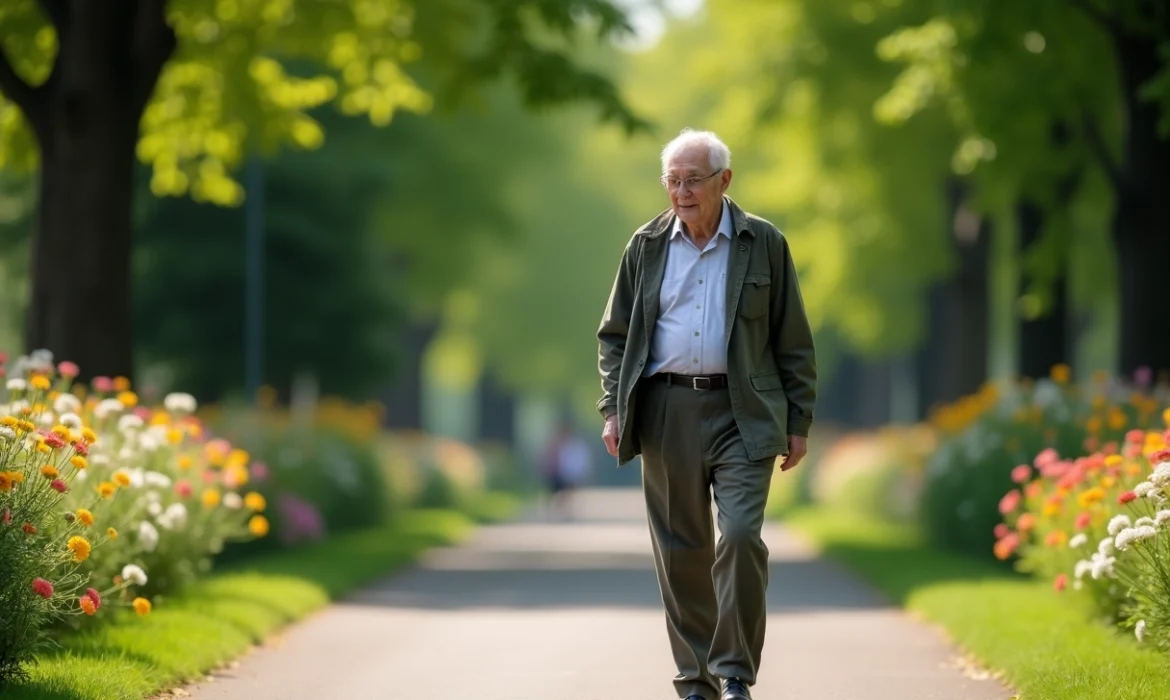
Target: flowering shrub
[(1100, 524), (984, 437), (104, 503)]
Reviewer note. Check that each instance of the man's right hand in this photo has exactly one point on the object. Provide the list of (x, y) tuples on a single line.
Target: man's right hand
[(609, 435)]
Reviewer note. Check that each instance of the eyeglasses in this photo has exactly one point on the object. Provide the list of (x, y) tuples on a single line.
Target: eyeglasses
[(673, 183)]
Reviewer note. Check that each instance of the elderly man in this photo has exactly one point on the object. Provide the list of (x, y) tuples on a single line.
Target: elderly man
[(708, 372)]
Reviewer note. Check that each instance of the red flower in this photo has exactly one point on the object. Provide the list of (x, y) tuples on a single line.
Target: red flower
[(1060, 583), (1001, 531), (1021, 473), (1126, 497), (96, 597), (54, 440), (1009, 502), (29, 529), (1135, 436), (1006, 546), (183, 488), (43, 588), (1083, 521), (81, 448), (7, 517), (1160, 456), (59, 486)]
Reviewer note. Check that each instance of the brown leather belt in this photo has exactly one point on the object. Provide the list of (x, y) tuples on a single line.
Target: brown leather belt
[(694, 381)]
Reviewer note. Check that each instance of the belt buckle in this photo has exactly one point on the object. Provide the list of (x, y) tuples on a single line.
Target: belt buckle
[(697, 383)]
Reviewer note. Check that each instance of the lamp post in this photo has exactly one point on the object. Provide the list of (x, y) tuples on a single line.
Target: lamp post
[(254, 279)]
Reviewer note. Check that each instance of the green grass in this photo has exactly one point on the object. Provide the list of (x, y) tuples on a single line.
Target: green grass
[(218, 618), (1044, 645)]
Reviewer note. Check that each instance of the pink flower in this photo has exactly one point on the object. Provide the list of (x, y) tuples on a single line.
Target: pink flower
[(1083, 521), (142, 412), (1133, 450), (1160, 456), (1054, 469), (59, 486), (1143, 375), (1001, 531), (6, 518), (43, 588), (1006, 546), (209, 477), (54, 440), (1060, 583), (103, 384), (1033, 489), (1135, 436), (1046, 457), (1021, 473), (1009, 502), (183, 488), (260, 471), (1092, 443), (1126, 497), (93, 595), (81, 448), (68, 369)]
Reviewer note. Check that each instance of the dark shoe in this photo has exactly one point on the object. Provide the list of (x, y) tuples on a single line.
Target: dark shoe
[(694, 697), (734, 689)]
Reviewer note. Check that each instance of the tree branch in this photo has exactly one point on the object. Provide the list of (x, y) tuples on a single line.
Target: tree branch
[(154, 42), (27, 97), (1101, 150)]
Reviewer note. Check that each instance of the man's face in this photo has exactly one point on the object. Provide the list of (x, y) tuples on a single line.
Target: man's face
[(701, 202)]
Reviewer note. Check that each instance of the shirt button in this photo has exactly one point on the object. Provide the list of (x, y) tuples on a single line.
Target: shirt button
[(700, 281), (696, 334), (695, 360)]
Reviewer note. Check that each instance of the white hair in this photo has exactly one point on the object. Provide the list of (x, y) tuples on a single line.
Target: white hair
[(718, 152)]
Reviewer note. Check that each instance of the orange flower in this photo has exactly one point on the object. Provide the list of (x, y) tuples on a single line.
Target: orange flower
[(183, 462), (258, 525), (85, 517), (142, 606), (106, 489), (50, 472), (1056, 538), (87, 605), (255, 501), (1026, 522), (121, 478)]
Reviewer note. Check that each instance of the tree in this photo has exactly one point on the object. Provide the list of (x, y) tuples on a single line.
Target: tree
[(193, 88)]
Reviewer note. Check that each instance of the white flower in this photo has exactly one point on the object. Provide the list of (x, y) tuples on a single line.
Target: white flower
[(147, 535), (1083, 567), (1161, 474), (129, 423), (18, 407), (7, 433), (1143, 521), (46, 419), (1162, 518), (1118, 523), (157, 479), (148, 443), (107, 408), (67, 403), (1078, 540), (179, 403), (17, 384), (1139, 630), (232, 500), (174, 518), (70, 420), (1102, 566), (154, 508), (1134, 534), (1105, 546), (134, 574), (1143, 489)]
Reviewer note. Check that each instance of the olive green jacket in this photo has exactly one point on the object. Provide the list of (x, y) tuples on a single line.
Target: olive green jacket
[(770, 357)]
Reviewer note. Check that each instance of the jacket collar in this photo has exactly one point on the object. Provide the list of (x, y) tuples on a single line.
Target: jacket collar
[(664, 222)]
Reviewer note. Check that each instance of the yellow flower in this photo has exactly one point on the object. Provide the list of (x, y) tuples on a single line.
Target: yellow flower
[(1113, 460), (78, 462), (1166, 417), (210, 498), (84, 517), (184, 462), (89, 436), (106, 489), (1093, 425), (194, 430), (258, 525), (43, 448), (160, 418), (1117, 420), (174, 436), (1093, 495), (1061, 373), (238, 475), (1108, 482), (61, 431), (40, 382), (255, 501), (121, 478), (17, 477), (121, 384), (50, 472), (111, 533), (142, 606), (128, 398), (80, 548), (27, 426), (5, 481), (1051, 508), (10, 421), (237, 457)]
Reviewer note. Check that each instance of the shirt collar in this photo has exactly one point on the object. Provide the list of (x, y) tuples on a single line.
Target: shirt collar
[(724, 224)]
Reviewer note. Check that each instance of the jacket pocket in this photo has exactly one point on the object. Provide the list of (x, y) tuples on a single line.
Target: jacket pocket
[(767, 382), (756, 294)]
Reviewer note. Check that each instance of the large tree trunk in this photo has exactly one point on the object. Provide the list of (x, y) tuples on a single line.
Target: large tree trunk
[(85, 118), (954, 359), (1141, 224), (1044, 338)]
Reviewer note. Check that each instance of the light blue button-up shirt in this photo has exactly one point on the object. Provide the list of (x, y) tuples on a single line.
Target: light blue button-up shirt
[(689, 331)]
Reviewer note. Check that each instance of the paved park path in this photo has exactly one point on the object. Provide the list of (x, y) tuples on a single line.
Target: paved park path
[(536, 610)]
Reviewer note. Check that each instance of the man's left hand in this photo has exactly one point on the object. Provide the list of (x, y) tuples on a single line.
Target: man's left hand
[(797, 449)]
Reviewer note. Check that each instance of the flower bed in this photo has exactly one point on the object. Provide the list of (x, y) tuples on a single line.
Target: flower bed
[(105, 503)]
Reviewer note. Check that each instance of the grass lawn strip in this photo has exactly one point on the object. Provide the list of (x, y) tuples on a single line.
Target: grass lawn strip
[(1043, 644), (220, 617)]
